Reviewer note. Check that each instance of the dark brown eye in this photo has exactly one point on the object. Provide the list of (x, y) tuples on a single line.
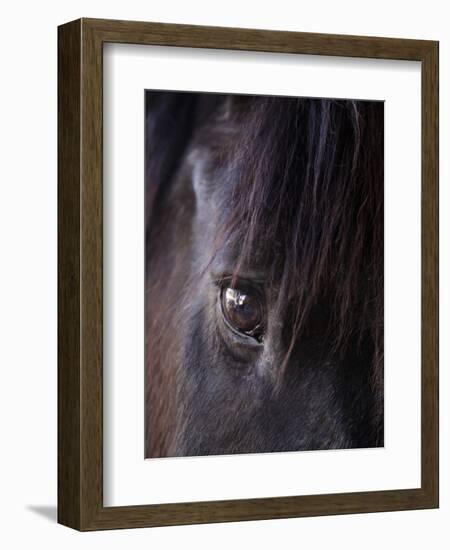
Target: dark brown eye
[(243, 311)]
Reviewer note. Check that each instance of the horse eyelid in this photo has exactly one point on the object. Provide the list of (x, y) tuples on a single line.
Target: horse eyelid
[(220, 280)]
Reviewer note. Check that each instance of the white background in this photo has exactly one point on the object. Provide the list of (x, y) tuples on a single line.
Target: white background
[(128, 479), (28, 275)]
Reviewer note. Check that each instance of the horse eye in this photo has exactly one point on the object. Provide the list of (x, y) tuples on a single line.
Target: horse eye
[(243, 311)]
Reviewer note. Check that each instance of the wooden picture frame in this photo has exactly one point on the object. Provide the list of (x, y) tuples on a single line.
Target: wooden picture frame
[(80, 272)]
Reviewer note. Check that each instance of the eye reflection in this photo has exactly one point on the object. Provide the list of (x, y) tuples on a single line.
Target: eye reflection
[(243, 311)]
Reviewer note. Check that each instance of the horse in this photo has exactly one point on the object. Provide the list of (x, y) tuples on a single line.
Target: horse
[(264, 260)]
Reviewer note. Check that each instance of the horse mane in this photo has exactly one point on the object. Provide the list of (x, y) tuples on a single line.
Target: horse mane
[(303, 180)]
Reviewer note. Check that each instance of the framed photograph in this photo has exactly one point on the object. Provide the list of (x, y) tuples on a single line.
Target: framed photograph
[(248, 274)]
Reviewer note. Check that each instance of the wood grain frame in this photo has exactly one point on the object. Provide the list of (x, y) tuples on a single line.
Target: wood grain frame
[(80, 274)]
